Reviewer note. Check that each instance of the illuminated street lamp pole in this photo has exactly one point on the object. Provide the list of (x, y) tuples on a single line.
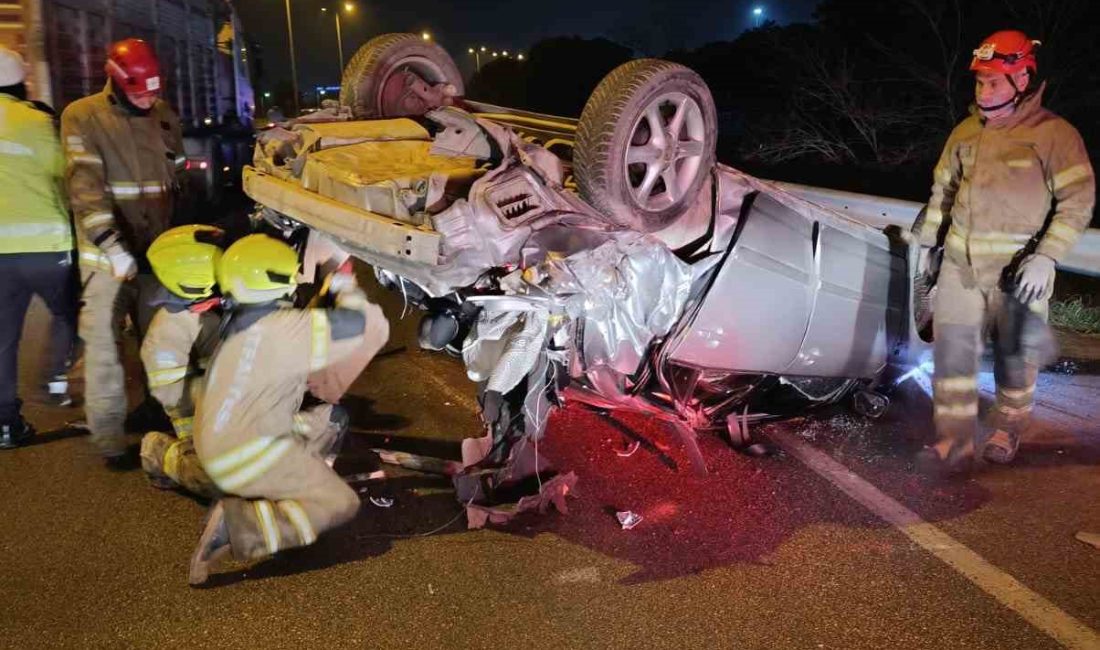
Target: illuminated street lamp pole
[(758, 15), (477, 58), (293, 65), (348, 7)]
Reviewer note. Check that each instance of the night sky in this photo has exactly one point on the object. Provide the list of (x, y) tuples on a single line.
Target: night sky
[(651, 26)]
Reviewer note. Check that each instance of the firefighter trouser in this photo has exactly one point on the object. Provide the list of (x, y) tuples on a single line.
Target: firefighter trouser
[(967, 307), (51, 277), (164, 456), (106, 302), (294, 499), (167, 456)]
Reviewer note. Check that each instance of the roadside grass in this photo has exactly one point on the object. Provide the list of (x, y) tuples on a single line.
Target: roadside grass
[(1077, 314)]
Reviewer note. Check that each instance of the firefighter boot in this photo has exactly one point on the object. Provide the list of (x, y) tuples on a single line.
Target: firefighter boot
[(945, 458), (213, 547), (15, 433), (154, 446), (1001, 447)]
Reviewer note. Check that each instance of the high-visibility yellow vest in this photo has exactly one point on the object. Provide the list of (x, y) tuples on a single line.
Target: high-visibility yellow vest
[(34, 217)]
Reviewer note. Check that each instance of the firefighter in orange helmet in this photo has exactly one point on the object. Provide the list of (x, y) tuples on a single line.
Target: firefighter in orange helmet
[(1012, 193)]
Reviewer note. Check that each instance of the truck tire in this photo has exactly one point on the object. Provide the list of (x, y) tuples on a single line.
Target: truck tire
[(369, 78), (642, 181)]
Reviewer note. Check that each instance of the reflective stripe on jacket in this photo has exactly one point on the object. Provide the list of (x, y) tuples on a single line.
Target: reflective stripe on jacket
[(33, 214), (121, 171), (1000, 183)]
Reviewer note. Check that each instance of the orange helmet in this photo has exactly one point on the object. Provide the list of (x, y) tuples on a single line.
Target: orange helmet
[(133, 67), (1005, 52)]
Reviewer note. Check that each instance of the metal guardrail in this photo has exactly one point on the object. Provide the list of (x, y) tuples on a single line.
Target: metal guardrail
[(879, 212)]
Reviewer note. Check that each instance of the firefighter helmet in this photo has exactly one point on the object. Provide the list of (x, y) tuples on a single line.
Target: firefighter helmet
[(185, 260), (132, 65), (258, 269), (1005, 52), (12, 68)]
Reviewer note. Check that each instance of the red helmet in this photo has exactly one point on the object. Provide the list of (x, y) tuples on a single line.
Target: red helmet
[(1005, 52), (133, 67)]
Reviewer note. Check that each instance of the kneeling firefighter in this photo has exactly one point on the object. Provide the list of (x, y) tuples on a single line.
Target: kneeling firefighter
[(178, 347), (258, 447)]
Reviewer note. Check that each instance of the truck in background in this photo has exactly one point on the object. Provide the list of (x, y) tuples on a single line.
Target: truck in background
[(204, 64)]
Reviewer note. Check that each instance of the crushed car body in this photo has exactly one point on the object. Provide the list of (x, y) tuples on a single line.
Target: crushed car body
[(717, 300)]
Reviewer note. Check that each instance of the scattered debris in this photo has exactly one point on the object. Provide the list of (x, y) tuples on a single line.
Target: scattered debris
[(382, 502), (377, 475), (628, 519), (419, 463), (628, 450), (553, 492), (1064, 367), (870, 404), (757, 450), (1092, 539)]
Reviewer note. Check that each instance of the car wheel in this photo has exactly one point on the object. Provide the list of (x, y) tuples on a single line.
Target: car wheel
[(646, 143), (397, 75)]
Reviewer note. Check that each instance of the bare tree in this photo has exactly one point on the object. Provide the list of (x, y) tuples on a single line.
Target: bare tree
[(834, 115)]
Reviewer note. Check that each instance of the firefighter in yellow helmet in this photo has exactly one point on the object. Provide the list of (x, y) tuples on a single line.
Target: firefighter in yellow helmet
[(280, 493), (1012, 193), (177, 349)]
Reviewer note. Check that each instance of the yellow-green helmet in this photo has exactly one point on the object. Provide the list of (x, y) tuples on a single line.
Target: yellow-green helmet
[(258, 269), (185, 260)]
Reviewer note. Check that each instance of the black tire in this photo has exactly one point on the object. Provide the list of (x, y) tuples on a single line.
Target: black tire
[(366, 74), (612, 121)]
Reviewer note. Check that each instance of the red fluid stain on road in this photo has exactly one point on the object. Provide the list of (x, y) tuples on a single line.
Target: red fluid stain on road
[(740, 512)]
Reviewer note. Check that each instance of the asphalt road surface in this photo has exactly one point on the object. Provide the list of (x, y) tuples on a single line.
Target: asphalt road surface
[(830, 542)]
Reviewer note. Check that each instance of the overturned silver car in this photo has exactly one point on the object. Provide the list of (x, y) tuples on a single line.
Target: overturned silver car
[(607, 260)]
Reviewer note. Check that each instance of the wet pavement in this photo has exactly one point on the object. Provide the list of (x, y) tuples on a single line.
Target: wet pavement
[(760, 553)]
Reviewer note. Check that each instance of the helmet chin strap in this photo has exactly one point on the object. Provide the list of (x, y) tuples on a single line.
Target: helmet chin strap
[(1015, 98), (997, 107)]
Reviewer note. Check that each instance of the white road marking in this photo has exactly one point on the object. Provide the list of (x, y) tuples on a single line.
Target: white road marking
[(1008, 591)]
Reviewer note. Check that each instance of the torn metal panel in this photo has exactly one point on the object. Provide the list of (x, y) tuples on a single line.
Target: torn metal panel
[(341, 221), (626, 292), (461, 135), (503, 347), (397, 179)]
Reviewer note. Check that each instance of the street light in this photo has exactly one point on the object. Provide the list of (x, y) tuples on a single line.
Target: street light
[(293, 65), (350, 8), (520, 56), (477, 58), (505, 52), (427, 36), (758, 14)]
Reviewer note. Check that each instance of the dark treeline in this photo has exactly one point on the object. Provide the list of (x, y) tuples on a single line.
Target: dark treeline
[(861, 99)]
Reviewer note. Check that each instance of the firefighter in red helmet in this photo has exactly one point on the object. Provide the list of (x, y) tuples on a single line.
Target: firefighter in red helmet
[(1012, 193), (124, 152)]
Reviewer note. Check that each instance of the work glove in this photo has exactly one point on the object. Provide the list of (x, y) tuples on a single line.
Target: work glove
[(123, 264), (342, 279), (1034, 279)]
